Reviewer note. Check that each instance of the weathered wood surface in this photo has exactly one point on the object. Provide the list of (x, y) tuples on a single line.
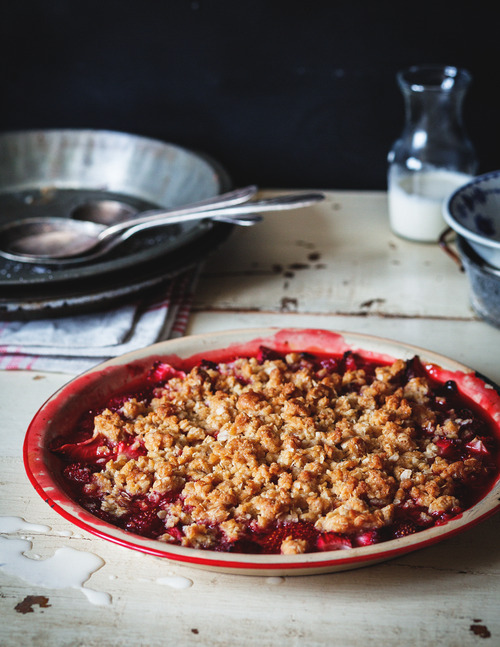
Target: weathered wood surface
[(337, 257), (336, 267)]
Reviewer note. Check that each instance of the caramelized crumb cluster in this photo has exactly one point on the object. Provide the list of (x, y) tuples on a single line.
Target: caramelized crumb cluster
[(286, 454)]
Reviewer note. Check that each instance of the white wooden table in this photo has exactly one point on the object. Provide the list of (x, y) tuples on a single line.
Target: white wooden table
[(335, 266)]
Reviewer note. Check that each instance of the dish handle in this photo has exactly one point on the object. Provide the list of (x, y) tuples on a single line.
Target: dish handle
[(444, 244)]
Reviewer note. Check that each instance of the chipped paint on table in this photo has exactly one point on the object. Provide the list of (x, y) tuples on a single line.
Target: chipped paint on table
[(334, 266), (337, 257)]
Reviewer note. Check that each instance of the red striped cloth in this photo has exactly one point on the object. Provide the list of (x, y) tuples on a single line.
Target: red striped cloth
[(74, 344)]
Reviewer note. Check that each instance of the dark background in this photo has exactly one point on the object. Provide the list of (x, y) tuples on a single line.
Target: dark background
[(283, 94)]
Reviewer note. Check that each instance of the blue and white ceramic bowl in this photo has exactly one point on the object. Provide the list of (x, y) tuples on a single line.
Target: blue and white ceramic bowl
[(473, 211)]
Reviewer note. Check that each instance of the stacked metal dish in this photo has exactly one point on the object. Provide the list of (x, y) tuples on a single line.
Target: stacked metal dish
[(53, 172)]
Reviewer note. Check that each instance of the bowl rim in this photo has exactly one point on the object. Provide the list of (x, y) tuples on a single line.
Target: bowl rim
[(458, 226), (472, 257)]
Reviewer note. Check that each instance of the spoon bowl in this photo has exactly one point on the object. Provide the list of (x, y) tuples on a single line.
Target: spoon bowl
[(64, 241), (47, 237), (105, 212)]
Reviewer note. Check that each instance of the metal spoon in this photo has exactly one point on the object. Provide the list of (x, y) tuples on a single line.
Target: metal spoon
[(45, 240), (65, 240), (109, 212)]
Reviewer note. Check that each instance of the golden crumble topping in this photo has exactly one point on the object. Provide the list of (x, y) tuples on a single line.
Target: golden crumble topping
[(284, 454)]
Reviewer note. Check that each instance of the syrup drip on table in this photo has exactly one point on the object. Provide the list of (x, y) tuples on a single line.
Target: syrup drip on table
[(66, 568)]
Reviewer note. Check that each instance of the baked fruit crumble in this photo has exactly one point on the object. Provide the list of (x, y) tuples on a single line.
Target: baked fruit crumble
[(282, 453)]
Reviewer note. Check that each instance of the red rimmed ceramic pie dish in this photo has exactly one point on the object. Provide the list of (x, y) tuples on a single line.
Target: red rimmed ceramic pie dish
[(271, 451)]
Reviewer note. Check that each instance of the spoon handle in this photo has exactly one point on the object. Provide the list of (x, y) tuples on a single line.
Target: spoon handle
[(237, 196), (279, 203)]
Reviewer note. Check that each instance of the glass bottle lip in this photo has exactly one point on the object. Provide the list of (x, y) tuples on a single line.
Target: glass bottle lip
[(441, 78)]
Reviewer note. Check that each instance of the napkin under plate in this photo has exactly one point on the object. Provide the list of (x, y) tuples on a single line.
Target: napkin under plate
[(73, 344)]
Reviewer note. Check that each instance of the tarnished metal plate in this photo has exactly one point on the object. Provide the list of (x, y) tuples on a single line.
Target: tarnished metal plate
[(52, 172)]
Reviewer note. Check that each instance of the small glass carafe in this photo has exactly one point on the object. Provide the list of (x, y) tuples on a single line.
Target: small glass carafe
[(433, 155)]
